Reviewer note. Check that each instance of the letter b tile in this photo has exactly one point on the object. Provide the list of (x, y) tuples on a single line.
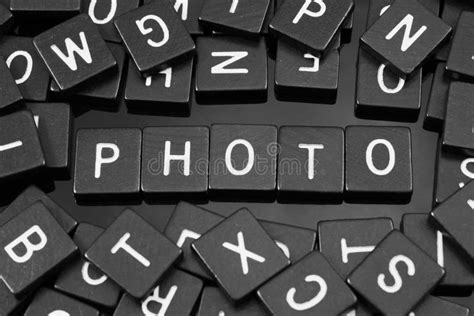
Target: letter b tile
[(32, 246), (107, 163), (133, 254)]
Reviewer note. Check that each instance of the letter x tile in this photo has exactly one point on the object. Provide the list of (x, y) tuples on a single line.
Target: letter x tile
[(240, 254)]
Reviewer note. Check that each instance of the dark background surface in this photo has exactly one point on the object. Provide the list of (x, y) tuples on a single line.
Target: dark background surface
[(278, 113)]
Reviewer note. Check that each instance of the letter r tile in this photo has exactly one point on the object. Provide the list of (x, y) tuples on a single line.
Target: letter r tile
[(32, 246), (133, 254)]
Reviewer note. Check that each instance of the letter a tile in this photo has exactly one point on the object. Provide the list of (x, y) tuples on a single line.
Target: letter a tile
[(240, 254), (32, 246), (133, 254)]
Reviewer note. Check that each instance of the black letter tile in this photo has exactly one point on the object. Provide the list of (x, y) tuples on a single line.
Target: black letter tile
[(231, 70), (31, 195), (175, 162), (303, 76), (297, 21), (243, 160), (434, 306), (167, 92), (461, 55), (237, 16), (52, 11), (441, 247), (54, 123), (458, 124), (186, 224), (405, 36), (383, 95), (176, 294), (27, 67), (240, 254), (453, 171), (379, 163), (345, 243), (11, 96), (107, 163), (20, 148), (295, 242), (309, 287), (311, 163), (456, 217), (82, 280), (188, 11), (133, 254), (438, 100), (97, 94), (104, 12), (32, 245), (451, 11), (155, 37), (396, 275), (74, 52)]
